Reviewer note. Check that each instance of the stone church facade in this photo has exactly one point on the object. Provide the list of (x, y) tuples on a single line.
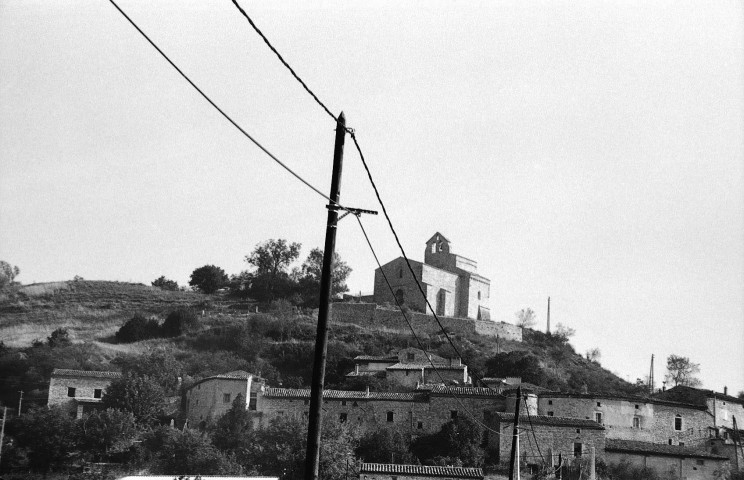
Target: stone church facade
[(451, 283)]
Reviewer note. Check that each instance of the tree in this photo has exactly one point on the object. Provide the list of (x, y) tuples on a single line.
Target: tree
[(107, 432), (138, 395), (208, 279), (682, 371), (161, 366), (234, 428), (594, 355), (48, 436), (178, 322), (188, 452), (138, 328), (459, 441), (272, 259), (7, 274), (311, 273), (165, 284), (384, 444), (59, 338), (526, 318), (563, 333)]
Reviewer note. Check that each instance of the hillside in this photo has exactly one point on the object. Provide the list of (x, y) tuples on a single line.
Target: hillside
[(278, 345)]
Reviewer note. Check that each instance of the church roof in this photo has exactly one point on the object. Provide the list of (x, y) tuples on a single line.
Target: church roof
[(441, 237)]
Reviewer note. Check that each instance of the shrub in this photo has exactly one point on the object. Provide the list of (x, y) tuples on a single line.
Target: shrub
[(165, 284), (179, 322), (138, 328), (59, 338)]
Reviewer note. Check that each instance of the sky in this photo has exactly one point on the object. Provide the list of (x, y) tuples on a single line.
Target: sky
[(590, 151)]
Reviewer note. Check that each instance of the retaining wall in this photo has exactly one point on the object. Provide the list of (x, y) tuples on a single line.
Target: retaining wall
[(369, 315)]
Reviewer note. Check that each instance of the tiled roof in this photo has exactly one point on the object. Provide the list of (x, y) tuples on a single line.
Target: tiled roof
[(695, 395), (632, 446), (628, 398), (365, 373), (461, 391), (552, 421), (420, 365), (372, 358), (64, 372), (234, 374), (526, 387), (421, 470), (339, 394)]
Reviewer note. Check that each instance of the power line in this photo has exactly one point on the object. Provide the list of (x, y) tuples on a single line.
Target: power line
[(281, 59), (229, 119)]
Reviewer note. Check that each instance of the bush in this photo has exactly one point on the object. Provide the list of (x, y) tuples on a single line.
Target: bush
[(59, 338), (179, 322), (138, 328), (165, 284)]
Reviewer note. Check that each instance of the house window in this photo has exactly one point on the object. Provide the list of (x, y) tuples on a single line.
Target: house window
[(678, 423), (636, 407), (550, 402), (225, 398), (577, 449), (407, 372), (479, 296), (196, 402), (198, 387), (453, 414), (280, 412), (393, 477), (578, 430), (307, 402), (355, 404), (305, 414), (599, 404), (70, 391), (400, 296), (598, 417), (252, 401), (681, 444), (670, 441), (389, 416), (550, 414), (636, 422), (420, 425), (343, 403), (342, 417), (700, 462), (97, 393)]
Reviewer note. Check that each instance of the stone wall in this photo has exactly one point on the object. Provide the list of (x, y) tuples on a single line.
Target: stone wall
[(687, 468), (87, 388), (368, 315)]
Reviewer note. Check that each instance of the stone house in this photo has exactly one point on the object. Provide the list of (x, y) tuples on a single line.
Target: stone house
[(451, 283), (387, 471), (210, 398), (541, 435), (422, 411), (681, 461), (632, 417), (79, 391), (722, 407), (411, 367)]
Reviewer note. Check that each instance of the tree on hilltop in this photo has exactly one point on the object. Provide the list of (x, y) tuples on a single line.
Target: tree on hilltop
[(311, 272), (7, 274), (208, 279), (682, 371), (271, 260), (165, 284), (526, 318)]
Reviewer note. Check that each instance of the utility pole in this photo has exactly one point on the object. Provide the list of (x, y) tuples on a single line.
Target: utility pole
[(515, 440), (2, 436), (312, 457), (651, 377), (20, 402), (548, 315)]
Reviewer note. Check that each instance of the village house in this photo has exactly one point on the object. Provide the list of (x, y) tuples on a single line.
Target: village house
[(680, 461), (451, 283), (79, 391), (388, 471), (633, 418), (209, 398), (410, 367), (721, 407)]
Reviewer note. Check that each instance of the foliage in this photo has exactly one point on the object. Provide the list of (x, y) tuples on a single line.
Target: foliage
[(309, 283), (624, 470), (273, 256), (138, 395), (161, 366), (59, 338), (188, 452), (682, 371), (178, 322), (526, 318), (208, 279), (457, 443), (593, 355), (516, 364), (107, 431), (234, 428), (48, 434), (165, 284), (383, 445), (563, 333), (7, 274), (138, 328)]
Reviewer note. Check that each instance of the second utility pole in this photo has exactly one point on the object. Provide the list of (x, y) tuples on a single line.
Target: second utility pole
[(312, 457)]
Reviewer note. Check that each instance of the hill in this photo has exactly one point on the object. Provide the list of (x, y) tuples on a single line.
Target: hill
[(277, 345)]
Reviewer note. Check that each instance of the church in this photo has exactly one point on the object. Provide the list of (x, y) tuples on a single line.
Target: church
[(451, 283)]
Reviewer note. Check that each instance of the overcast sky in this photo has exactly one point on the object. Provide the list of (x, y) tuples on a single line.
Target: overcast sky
[(588, 151)]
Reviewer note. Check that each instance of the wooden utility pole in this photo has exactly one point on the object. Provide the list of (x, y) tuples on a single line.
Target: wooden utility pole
[(651, 377), (20, 402), (548, 315), (2, 436), (312, 457), (515, 439)]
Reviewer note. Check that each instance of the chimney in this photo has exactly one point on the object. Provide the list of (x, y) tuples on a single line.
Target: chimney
[(356, 368), (366, 394), (725, 390)]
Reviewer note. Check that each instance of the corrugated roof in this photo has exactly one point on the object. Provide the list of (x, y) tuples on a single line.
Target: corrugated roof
[(64, 372), (632, 446), (421, 470), (339, 394), (551, 421)]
